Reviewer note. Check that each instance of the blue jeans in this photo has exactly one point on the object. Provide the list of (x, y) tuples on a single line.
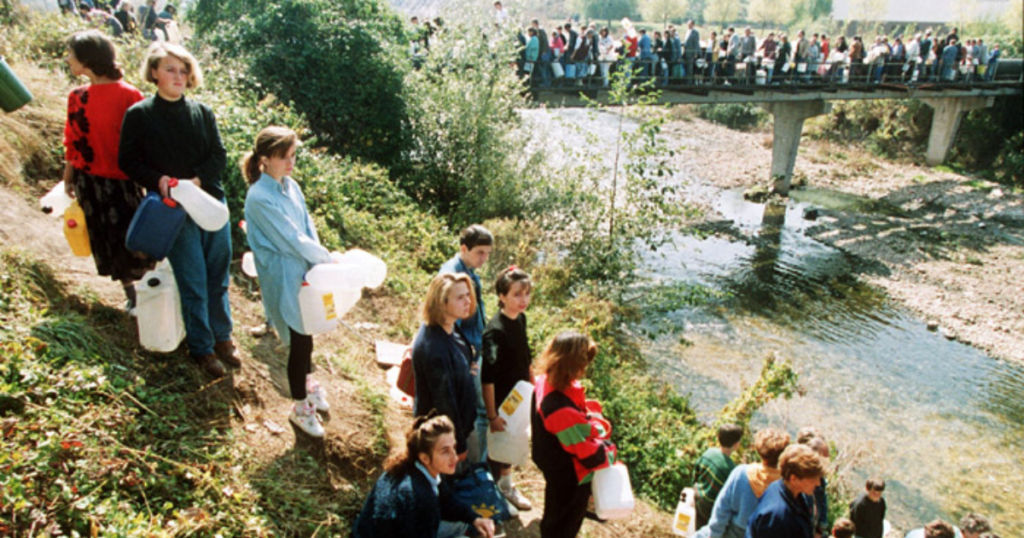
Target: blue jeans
[(478, 439), (201, 260)]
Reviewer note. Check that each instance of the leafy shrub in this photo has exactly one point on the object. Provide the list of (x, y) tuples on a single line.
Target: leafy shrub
[(741, 116), (336, 62)]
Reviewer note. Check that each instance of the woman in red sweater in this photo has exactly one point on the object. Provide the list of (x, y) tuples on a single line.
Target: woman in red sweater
[(570, 438), (91, 174)]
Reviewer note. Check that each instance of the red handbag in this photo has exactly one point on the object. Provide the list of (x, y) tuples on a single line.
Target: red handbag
[(406, 381)]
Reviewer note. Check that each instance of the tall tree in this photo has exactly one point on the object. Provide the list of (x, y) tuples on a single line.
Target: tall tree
[(869, 10), (662, 11), (765, 12), (723, 11)]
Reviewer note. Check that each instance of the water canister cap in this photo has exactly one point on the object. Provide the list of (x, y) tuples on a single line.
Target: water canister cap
[(153, 282), (173, 182), (170, 202), (72, 224), (47, 210)]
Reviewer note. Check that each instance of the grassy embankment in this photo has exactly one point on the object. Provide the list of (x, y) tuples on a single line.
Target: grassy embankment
[(102, 437)]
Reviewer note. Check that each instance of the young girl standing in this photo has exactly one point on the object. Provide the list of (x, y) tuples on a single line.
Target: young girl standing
[(507, 358), (285, 246)]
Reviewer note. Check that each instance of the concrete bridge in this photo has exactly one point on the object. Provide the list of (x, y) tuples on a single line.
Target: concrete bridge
[(791, 103)]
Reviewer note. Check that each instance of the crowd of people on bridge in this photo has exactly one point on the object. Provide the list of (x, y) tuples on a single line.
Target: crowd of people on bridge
[(121, 144), (571, 55), (122, 18)]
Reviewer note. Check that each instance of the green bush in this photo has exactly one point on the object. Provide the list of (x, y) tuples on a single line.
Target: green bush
[(336, 62), (741, 116)]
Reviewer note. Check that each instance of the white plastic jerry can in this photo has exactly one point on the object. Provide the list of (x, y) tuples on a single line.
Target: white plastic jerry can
[(685, 521), (322, 308), (249, 265), (158, 310), (56, 201), (512, 446), (207, 212), (613, 494)]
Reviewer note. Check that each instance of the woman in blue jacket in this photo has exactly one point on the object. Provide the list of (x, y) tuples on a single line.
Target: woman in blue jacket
[(285, 246), (410, 500)]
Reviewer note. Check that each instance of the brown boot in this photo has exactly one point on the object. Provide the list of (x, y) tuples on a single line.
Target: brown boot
[(228, 353), (211, 365)]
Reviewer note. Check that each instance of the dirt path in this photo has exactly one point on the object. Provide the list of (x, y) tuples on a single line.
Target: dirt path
[(345, 365), (953, 246)]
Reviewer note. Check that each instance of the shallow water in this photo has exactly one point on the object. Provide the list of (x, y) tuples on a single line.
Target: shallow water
[(942, 422)]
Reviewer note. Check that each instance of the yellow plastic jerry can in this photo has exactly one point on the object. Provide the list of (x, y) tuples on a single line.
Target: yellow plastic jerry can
[(75, 230)]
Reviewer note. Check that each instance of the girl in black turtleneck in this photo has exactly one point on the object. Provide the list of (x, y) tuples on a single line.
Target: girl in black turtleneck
[(170, 136)]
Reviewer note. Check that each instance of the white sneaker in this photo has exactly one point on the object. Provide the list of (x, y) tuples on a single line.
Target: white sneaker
[(513, 496), (315, 395), (304, 416)]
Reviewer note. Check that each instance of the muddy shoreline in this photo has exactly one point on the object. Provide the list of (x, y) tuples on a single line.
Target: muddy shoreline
[(949, 247)]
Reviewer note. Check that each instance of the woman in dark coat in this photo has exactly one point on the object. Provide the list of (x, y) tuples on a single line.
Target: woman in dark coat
[(410, 500)]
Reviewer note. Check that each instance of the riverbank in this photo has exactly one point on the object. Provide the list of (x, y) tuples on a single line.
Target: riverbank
[(949, 245)]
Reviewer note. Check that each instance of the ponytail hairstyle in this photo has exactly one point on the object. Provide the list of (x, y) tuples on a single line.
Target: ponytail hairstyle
[(421, 438), (97, 52), (270, 142), (507, 278)]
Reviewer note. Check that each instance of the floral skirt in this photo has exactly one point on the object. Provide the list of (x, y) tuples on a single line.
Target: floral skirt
[(109, 205)]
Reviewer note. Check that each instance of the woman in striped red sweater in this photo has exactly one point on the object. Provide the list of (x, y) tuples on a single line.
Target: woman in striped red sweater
[(570, 437)]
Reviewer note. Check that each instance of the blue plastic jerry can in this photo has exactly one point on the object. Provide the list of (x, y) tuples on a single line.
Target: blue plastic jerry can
[(155, 226)]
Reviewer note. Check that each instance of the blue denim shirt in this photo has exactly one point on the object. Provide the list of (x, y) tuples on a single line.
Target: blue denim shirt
[(472, 328), (285, 245)]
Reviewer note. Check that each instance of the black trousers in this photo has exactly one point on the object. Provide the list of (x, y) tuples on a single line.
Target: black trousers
[(565, 505), (300, 363)]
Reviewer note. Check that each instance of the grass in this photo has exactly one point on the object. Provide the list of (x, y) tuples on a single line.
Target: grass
[(102, 438)]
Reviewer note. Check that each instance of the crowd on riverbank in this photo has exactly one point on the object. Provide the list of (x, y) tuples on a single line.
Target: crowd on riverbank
[(590, 54), (450, 362)]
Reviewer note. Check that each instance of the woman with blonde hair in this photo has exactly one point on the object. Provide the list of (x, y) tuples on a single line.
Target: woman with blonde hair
[(441, 356), (285, 246), (570, 438), (168, 138)]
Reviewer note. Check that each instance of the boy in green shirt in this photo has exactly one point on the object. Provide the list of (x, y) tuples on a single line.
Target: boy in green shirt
[(713, 468)]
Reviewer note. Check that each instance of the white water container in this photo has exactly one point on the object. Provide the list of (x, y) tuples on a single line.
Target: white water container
[(762, 77), (330, 291), (249, 265), (207, 212), (158, 310), (512, 446), (613, 494), (685, 521), (56, 201), (371, 269)]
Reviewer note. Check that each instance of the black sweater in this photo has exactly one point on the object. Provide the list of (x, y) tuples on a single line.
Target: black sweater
[(506, 353), (173, 138)]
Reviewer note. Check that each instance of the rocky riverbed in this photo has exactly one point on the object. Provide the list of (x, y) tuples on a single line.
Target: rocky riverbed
[(948, 246)]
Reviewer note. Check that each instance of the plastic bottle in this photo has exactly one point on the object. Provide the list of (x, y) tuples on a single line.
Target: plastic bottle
[(684, 522), (207, 212), (249, 265), (158, 310), (75, 230), (371, 270), (322, 308), (512, 446), (613, 494), (56, 201), (155, 226)]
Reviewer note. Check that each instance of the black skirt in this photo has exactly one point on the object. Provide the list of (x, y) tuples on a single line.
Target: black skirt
[(109, 205)]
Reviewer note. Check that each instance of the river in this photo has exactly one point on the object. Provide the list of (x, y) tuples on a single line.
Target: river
[(941, 422)]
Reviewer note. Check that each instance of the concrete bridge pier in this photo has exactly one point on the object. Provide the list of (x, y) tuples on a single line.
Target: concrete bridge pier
[(788, 124), (946, 122)]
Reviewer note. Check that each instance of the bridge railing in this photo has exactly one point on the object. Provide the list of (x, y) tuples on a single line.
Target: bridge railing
[(700, 74)]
